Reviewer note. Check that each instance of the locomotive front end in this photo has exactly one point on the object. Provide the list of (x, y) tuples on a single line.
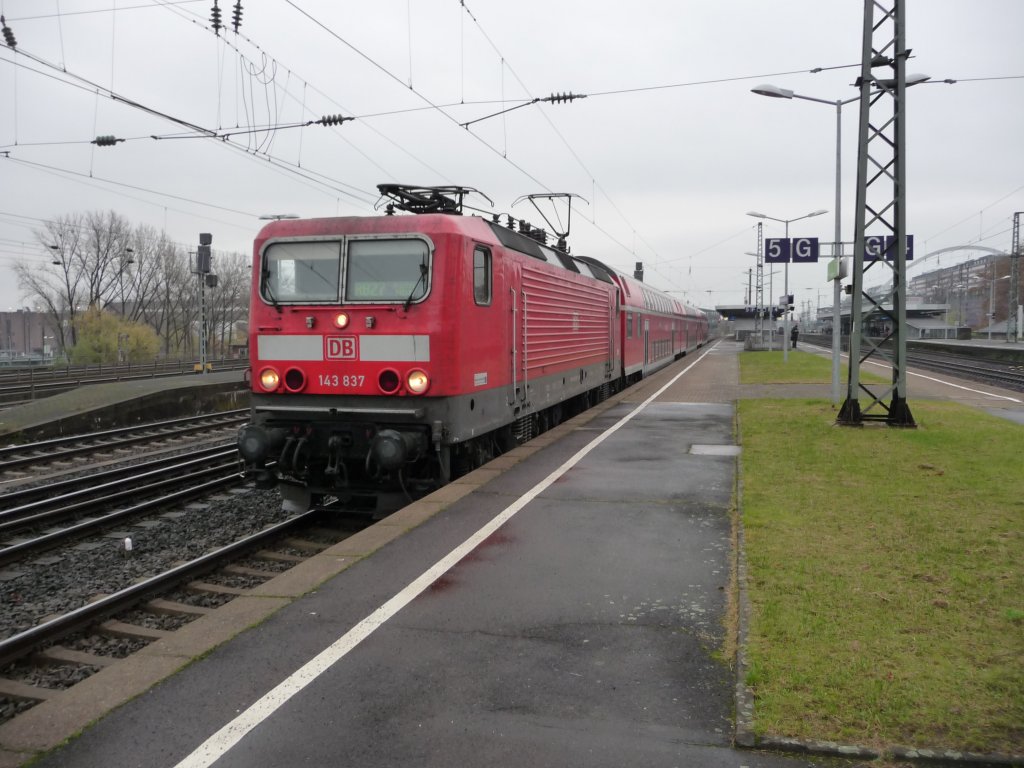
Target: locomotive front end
[(343, 346)]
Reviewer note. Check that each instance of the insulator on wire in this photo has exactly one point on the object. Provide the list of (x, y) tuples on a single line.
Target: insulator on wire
[(558, 98), (8, 34), (215, 18), (236, 15), (105, 141), (333, 120)]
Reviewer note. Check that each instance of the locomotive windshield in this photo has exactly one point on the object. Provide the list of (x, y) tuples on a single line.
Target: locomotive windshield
[(302, 271), (386, 270), (392, 270)]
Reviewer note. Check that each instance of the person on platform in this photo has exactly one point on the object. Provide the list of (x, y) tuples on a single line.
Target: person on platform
[(793, 335)]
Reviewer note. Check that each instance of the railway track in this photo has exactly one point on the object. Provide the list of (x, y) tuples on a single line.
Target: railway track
[(92, 507), (49, 632), (33, 383), (74, 598), (1006, 375), (41, 454), (189, 561)]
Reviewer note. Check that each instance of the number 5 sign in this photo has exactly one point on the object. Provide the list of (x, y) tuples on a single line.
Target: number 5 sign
[(776, 250)]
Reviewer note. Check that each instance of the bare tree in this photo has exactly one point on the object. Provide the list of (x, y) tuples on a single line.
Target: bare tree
[(106, 238), (139, 285), (228, 303), (97, 260), (57, 285)]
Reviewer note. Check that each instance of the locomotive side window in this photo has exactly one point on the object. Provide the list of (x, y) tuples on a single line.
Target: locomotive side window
[(386, 270), (482, 276), (301, 271)]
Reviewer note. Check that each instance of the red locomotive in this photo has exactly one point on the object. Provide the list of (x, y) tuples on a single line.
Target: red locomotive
[(393, 353)]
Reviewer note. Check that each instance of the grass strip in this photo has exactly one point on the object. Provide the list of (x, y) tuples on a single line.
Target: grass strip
[(801, 368), (885, 576)]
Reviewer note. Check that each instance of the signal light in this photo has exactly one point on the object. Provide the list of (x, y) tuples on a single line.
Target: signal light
[(203, 259)]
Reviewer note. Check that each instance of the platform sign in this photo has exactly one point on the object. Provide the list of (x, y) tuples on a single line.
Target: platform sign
[(805, 250), (782, 250), (776, 250), (878, 245)]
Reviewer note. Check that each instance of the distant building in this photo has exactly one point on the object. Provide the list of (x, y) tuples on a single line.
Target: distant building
[(26, 336)]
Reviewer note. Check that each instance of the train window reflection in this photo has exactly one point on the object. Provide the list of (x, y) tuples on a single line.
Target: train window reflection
[(386, 270), (302, 271)]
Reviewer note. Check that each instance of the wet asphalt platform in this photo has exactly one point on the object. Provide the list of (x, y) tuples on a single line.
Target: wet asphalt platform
[(580, 627)]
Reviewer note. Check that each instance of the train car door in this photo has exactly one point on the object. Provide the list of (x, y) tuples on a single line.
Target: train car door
[(613, 363), (647, 342), (516, 333)]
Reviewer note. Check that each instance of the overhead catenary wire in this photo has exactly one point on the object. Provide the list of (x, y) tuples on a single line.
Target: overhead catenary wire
[(88, 85), (398, 146), (602, 189)]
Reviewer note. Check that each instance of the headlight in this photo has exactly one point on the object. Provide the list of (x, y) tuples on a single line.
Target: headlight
[(341, 320), (269, 379), (417, 381)]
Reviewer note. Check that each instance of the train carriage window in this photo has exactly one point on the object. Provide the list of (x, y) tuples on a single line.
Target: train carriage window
[(387, 270), (629, 325), (482, 276), (301, 271)]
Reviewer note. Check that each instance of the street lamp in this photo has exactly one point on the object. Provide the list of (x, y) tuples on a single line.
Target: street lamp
[(785, 312), (775, 92)]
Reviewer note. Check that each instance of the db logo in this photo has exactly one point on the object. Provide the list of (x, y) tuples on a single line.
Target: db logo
[(340, 348)]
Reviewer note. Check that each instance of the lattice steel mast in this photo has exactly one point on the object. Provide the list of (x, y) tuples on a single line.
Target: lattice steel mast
[(881, 211), (759, 288), (1013, 330)]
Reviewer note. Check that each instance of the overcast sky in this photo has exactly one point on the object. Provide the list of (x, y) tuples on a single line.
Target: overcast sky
[(670, 150)]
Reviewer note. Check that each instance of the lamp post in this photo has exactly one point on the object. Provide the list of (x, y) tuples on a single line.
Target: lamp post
[(775, 92), (784, 93), (785, 311)]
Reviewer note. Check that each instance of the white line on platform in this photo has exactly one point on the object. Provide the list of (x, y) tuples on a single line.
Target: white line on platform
[(227, 737)]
